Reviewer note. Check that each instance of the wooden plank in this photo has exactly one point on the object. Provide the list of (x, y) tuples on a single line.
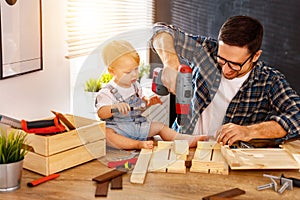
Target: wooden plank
[(46, 165), (140, 169), (294, 149), (262, 158)]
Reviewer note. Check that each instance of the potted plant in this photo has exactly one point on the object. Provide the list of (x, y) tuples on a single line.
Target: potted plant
[(92, 86), (12, 152), (144, 70)]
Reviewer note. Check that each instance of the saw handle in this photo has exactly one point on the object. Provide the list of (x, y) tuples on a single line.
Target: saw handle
[(40, 124)]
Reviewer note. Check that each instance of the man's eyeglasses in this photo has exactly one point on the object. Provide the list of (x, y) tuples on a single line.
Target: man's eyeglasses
[(232, 65)]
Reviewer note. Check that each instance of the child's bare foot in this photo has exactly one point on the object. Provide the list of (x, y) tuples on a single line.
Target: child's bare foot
[(198, 138), (146, 144)]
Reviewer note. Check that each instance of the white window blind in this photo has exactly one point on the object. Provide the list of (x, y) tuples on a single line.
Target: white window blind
[(91, 22)]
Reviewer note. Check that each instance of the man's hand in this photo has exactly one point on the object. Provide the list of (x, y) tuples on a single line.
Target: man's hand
[(169, 76), (230, 133)]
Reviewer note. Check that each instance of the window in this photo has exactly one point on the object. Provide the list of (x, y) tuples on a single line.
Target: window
[(91, 22)]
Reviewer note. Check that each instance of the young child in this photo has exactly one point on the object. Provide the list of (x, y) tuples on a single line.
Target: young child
[(120, 103)]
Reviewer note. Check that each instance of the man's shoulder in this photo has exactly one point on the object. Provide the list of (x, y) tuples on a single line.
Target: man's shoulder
[(268, 71)]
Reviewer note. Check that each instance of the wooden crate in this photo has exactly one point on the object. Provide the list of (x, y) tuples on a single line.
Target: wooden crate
[(54, 153)]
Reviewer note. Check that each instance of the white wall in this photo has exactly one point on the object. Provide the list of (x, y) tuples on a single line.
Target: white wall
[(33, 95)]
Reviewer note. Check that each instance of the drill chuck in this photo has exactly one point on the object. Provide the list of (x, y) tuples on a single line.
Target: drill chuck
[(183, 90), (157, 85)]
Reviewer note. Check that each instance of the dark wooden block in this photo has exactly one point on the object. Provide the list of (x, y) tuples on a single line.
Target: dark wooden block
[(102, 189), (108, 176), (226, 194), (116, 183)]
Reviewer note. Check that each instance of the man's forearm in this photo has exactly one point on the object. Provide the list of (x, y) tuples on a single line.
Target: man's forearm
[(269, 129), (163, 43)]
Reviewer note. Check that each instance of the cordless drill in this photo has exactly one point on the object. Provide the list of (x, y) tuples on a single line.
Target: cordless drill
[(183, 90)]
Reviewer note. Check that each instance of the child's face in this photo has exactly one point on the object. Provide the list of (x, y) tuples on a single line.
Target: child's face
[(125, 71)]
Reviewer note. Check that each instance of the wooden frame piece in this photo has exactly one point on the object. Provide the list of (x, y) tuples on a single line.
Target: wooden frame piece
[(208, 159), (259, 158)]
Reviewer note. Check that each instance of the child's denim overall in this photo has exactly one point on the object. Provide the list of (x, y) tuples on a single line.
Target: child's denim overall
[(132, 125)]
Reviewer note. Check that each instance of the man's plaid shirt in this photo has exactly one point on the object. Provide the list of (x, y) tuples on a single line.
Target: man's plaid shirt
[(264, 96)]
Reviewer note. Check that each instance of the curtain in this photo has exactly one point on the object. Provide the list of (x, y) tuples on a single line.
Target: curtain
[(91, 22)]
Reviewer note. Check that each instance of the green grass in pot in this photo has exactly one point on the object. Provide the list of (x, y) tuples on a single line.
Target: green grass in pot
[(12, 146)]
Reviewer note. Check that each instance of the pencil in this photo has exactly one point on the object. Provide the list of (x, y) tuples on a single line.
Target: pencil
[(42, 180)]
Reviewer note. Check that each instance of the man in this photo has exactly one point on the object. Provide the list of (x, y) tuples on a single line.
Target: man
[(236, 96)]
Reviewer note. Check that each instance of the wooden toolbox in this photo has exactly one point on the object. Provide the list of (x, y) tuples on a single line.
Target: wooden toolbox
[(53, 153)]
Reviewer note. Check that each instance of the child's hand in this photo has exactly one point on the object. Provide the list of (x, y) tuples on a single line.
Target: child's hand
[(121, 107), (153, 100)]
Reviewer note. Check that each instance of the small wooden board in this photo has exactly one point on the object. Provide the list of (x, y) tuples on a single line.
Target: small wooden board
[(64, 120), (140, 169), (259, 158), (208, 159)]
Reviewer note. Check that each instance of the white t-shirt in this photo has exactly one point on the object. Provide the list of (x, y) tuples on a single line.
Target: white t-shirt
[(212, 117), (105, 97)]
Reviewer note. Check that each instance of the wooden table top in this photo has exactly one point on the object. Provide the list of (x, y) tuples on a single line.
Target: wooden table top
[(76, 183)]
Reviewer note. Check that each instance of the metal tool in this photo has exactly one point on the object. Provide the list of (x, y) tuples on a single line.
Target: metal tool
[(141, 108), (10, 121), (183, 90), (272, 185), (286, 183)]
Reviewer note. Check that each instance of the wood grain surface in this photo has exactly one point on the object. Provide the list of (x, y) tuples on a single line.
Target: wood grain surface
[(76, 183)]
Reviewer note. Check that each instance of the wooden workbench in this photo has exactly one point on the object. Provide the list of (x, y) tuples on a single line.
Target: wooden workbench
[(76, 184)]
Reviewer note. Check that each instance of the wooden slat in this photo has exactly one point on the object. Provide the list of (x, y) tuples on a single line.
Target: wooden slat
[(139, 172), (46, 165)]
